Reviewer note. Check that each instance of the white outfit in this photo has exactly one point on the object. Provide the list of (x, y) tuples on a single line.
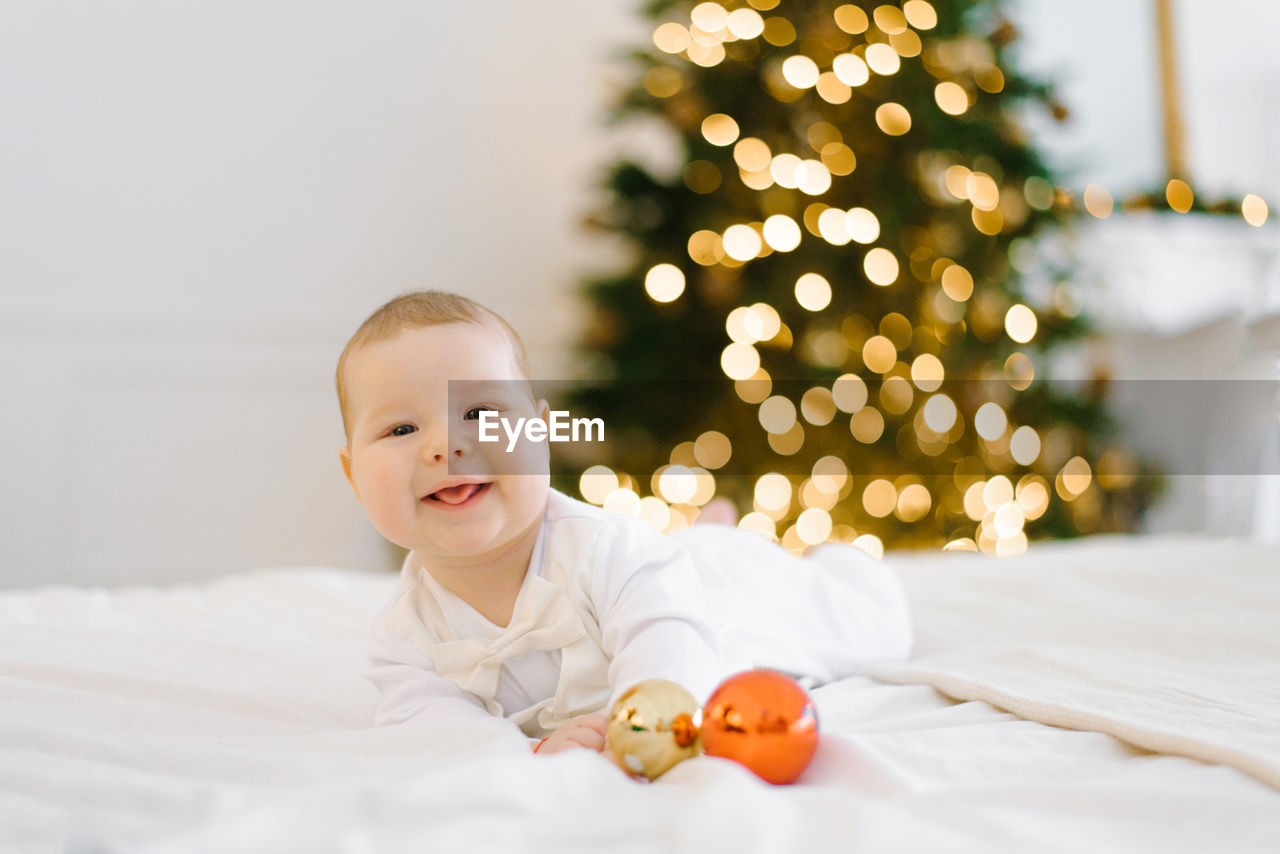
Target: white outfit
[(607, 602)]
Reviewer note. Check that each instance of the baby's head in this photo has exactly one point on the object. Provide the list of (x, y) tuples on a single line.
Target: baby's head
[(412, 455), (420, 310)]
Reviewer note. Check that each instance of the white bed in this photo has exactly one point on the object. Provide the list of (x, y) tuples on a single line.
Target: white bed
[(233, 716)]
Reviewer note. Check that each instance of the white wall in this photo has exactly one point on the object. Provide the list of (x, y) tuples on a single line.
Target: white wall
[(1177, 297), (199, 201), (1102, 53)]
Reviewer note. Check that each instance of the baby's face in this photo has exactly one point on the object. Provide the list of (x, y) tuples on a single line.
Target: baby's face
[(414, 461)]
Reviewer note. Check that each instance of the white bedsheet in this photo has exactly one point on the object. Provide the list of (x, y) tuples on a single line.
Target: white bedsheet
[(233, 716), (1173, 646)]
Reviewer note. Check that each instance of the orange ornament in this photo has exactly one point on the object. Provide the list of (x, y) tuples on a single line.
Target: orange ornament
[(764, 720)]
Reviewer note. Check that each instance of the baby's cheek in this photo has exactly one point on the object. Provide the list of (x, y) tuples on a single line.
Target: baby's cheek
[(383, 498), (525, 459)]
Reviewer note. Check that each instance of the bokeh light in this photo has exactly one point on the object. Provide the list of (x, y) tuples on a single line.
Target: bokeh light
[(852, 19), (742, 242), (990, 421), (1024, 445), (813, 292), (957, 283), (1179, 195), (883, 59), (752, 154), (777, 414), (596, 483), (739, 361), (1098, 201), (951, 98), (719, 129), (1254, 210), (712, 449), (850, 69), (849, 393), (782, 233), (927, 372), (671, 38), (893, 118), (677, 484), (1020, 323), (745, 23), (920, 14), (861, 225), (881, 266), (664, 283), (800, 71)]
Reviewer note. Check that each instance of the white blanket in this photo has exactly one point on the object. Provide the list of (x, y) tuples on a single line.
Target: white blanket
[(233, 716), (1172, 646)]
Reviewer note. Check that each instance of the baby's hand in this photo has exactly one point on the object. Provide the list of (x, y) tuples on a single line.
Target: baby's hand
[(587, 731)]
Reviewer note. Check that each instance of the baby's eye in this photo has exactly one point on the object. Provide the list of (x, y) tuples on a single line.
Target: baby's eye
[(402, 430), (473, 414)]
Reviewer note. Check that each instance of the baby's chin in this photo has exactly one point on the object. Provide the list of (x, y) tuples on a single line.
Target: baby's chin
[(473, 541)]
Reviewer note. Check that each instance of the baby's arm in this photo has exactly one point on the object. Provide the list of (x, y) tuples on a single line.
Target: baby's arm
[(655, 620), (413, 691), (410, 686)]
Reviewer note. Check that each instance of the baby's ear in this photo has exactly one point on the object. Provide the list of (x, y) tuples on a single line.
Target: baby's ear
[(544, 411), (344, 453)]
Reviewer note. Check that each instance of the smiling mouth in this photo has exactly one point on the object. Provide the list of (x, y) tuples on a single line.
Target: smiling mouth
[(457, 496)]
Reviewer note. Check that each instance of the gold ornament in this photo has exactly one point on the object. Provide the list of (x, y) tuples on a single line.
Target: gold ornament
[(653, 726)]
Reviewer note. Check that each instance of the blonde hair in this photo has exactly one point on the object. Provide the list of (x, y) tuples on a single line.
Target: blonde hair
[(416, 310)]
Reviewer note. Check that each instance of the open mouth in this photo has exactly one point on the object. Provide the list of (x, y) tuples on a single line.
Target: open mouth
[(457, 496)]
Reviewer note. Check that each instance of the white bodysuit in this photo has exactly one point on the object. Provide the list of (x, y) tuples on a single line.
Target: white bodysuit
[(608, 602)]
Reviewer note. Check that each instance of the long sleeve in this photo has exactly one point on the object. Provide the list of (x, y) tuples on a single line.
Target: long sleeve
[(654, 617), (410, 686)]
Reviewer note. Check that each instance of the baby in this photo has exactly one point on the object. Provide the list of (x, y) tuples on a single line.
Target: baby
[(516, 600)]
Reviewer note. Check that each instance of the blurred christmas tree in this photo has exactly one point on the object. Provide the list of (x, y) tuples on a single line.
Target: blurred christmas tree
[(830, 295)]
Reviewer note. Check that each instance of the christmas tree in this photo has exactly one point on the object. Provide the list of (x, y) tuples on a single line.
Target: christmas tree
[(826, 319)]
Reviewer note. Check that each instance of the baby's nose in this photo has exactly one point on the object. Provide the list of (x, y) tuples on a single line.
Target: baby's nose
[(436, 453)]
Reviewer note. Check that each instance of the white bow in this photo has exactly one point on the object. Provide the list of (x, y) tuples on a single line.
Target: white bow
[(545, 620)]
